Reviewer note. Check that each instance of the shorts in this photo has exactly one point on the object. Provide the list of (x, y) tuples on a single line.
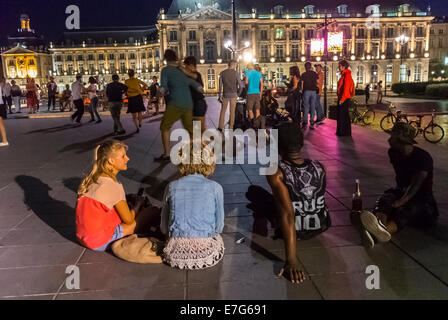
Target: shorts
[(173, 114), (253, 102), (420, 213), (118, 234)]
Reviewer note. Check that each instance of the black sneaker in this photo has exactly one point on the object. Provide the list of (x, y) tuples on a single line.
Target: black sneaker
[(374, 226), (91, 120), (162, 158), (99, 121)]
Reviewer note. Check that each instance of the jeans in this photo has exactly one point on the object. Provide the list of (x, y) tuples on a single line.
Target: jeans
[(319, 109), (51, 101), (16, 102), (93, 109), (79, 105), (309, 106), (115, 110)]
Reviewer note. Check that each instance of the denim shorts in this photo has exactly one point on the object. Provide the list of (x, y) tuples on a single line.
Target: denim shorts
[(118, 234)]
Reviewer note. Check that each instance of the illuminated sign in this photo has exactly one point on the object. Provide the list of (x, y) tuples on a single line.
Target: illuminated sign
[(335, 41), (317, 47)]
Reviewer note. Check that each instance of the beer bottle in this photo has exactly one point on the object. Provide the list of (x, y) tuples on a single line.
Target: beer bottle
[(357, 200)]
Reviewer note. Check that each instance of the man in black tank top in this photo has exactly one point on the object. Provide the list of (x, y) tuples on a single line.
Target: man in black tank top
[(298, 189)]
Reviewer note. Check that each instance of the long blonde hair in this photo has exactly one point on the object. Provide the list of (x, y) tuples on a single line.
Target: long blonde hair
[(102, 154)]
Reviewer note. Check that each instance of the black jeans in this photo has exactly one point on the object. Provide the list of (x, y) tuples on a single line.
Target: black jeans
[(344, 126), (93, 109), (51, 101), (115, 110), (79, 105)]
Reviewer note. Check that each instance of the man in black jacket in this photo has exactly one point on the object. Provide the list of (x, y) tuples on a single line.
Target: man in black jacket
[(114, 92)]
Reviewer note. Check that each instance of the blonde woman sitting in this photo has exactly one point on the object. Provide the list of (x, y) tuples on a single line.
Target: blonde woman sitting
[(193, 215), (102, 213)]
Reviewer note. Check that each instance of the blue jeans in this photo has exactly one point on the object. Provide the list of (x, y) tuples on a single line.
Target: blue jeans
[(309, 106), (118, 234), (319, 109)]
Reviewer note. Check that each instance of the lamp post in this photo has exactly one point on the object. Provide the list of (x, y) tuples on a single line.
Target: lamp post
[(402, 40), (234, 37)]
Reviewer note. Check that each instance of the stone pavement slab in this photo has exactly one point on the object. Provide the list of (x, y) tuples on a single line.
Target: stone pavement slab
[(47, 158)]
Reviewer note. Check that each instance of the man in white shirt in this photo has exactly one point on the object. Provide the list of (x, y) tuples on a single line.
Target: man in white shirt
[(77, 91), (4, 142), (6, 89)]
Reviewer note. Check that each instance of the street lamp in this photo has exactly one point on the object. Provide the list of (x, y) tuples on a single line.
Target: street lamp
[(402, 40)]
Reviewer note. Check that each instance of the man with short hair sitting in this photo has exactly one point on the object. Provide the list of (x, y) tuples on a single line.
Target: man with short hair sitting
[(412, 201)]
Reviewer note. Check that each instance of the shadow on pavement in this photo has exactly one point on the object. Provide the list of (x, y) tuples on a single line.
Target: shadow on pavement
[(37, 198), (72, 183), (55, 129), (85, 146)]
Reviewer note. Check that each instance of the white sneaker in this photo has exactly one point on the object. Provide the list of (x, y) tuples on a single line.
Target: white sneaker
[(4, 144), (367, 239), (374, 226)]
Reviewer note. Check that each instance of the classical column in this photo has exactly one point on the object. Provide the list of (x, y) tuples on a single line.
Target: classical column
[(302, 30), (163, 42), (288, 37), (183, 38), (369, 42), (412, 37), (383, 39), (218, 40), (153, 62), (271, 41), (428, 28), (353, 40), (201, 41), (254, 40)]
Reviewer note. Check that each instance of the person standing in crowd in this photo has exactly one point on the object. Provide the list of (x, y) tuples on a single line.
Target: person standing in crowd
[(52, 90), (199, 103), (254, 82), (93, 97), (32, 101), (135, 89), (38, 95), (193, 214), (309, 89), (412, 201), (367, 93), (345, 91), (66, 99), (230, 85), (6, 87), (297, 206), (154, 95), (77, 91), (294, 100), (379, 90), (115, 91), (4, 141), (16, 94), (179, 103), (320, 86)]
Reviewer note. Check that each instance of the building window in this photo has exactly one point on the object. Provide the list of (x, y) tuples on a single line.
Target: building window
[(192, 35), (144, 55), (210, 49), (91, 68), (360, 75), (69, 58), (278, 34), (80, 58), (264, 34), (90, 57), (440, 31), (295, 52), (403, 73), (389, 49), (226, 34), (132, 55), (389, 73), (295, 34), (440, 42), (133, 66), (419, 31), (361, 33), (112, 68), (309, 34), (342, 9), (70, 69), (211, 79), (376, 50), (360, 49), (59, 69), (58, 58), (245, 35), (375, 33), (374, 73), (122, 67), (390, 32), (264, 52), (309, 10), (418, 47), (431, 31), (102, 67), (81, 67), (193, 50), (101, 56), (279, 52), (418, 72), (111, 56), (173, 35), (122, 56)]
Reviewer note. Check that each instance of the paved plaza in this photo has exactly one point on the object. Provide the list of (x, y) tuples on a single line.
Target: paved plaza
[(43, 166)]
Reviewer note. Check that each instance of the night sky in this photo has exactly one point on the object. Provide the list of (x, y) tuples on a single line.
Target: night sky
[(48, 16)]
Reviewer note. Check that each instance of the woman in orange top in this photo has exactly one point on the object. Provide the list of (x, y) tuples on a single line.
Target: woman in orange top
[(346, 90), (31, 95)]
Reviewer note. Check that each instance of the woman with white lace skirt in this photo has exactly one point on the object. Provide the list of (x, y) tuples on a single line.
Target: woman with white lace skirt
[(193, 213)]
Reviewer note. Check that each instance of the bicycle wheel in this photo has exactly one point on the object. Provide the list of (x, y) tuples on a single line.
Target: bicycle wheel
[(387, 122), (433, 133), (414, 124), (368, 117)]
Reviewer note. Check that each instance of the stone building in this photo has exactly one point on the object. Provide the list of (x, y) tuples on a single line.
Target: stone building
[(438, 48)]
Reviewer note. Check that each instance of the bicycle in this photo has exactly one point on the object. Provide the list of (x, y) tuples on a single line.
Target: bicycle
[(432, 133), (367, 117), (389, 120)]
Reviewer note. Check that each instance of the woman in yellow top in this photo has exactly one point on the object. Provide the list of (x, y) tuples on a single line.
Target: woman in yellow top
[(135, 99)]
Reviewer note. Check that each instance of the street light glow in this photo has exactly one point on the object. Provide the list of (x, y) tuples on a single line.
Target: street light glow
[(353, 57), (228, 44), (248, 57), (247, 44)]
